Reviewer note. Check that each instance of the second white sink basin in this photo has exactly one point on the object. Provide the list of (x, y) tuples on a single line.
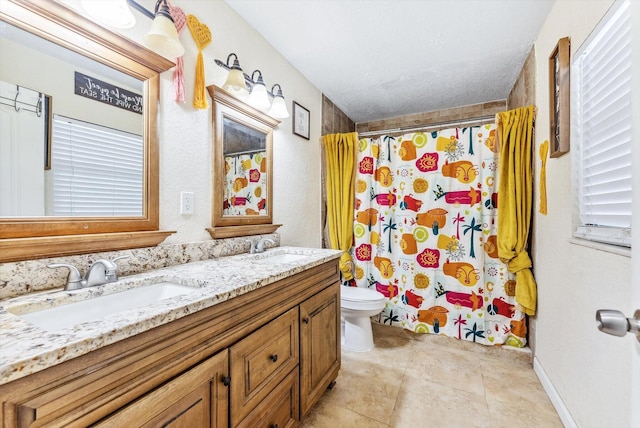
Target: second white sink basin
[(95, 309)]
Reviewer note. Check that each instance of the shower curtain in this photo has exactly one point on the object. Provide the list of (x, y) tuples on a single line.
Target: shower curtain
[(425, 235)]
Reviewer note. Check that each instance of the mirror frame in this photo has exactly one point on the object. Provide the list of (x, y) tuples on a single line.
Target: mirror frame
[(38, 237), (225, 226)]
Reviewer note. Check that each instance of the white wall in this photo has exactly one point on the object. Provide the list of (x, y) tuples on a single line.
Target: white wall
[(590, 371), (185, 133)]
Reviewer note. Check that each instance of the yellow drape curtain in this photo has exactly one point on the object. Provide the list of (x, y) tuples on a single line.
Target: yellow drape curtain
[(515, 133), (340, 152)]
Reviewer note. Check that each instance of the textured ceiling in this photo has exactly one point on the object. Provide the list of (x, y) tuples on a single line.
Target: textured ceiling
[(377, 59)]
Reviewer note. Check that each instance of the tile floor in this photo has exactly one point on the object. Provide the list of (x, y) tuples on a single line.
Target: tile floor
[(414, 381)]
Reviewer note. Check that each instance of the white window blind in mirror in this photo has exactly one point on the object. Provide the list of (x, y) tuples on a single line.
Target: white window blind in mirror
[(602, 128), (97, 171)]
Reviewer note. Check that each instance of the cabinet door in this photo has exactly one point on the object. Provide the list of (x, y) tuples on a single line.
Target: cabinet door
[(279, 409), (261, 361), (319, 345), (197, 398)]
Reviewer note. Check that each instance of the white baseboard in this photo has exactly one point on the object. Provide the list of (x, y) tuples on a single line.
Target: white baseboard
[(561, 408)]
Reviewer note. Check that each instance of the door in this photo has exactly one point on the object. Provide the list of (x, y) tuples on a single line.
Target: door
[(627, 344)]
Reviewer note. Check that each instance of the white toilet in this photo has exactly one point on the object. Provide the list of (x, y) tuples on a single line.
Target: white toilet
[(358, 305)]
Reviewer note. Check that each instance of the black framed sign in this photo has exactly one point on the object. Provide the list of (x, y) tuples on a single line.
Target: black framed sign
[(301, 120), (90, 87)]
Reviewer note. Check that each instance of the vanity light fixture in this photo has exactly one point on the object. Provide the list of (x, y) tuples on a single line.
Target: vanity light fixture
[(259, 96), (236, 80), (113, 13), (278, 106), (162, 36), (241, 84)]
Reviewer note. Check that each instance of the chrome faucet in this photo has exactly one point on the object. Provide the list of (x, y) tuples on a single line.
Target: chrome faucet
[(102, 271), (258, 246)]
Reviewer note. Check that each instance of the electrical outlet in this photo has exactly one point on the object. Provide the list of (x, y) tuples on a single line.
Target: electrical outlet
[(186, 203)]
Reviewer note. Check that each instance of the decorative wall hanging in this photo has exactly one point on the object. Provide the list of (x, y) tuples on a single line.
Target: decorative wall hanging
[(180, 21), (202, 36), (559, 98), (544, 150), (301, 118)]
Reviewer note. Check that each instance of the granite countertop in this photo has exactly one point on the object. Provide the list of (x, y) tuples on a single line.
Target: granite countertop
[(26, 348)]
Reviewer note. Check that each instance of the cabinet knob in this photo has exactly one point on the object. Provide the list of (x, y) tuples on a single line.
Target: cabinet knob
[(226, 380), (305, 320), (274, 425), (274, 357)]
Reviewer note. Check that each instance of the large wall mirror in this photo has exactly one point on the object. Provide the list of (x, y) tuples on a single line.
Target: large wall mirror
[(243, 159), (78, 142)]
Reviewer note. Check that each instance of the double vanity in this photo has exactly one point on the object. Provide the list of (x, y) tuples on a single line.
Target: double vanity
[(249, 340)]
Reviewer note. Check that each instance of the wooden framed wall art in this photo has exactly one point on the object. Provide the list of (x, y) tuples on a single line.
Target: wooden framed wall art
[(301, 121), (559, 108)]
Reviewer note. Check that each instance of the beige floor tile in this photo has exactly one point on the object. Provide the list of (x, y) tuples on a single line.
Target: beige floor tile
[(327, 415), (411, 380), (523, 415), (369, 388), (448, 367), (424, 404)]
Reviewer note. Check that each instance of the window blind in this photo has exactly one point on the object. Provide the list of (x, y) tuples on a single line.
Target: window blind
[(97, 171), (601, 111)]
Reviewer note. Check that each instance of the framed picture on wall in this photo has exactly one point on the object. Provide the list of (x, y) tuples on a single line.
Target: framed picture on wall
[(301, 120), (559, 75)]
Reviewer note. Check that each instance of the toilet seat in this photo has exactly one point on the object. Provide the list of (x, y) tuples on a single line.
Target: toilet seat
[(359, 294), (362, 299)]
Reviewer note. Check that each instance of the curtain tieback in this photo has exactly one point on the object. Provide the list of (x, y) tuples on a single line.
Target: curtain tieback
[(346, 266), (519, 262)]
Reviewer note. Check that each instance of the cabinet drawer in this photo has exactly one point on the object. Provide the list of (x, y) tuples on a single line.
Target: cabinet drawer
[(279, 409), (260, 362)]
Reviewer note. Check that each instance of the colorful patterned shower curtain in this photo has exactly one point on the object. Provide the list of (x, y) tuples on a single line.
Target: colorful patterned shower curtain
[(425, 235)]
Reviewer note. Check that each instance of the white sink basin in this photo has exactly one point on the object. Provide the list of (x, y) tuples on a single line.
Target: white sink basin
[(281, 258), (95, 309)]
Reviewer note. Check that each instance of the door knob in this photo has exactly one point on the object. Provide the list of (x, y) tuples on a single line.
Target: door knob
[(615, 323)]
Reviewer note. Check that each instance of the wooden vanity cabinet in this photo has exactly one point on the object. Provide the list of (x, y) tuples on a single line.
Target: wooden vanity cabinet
[(213, 368)]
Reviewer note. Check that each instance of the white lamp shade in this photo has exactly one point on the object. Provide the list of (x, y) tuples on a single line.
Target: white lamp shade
[(113, 13), (235, 82), (279, 108), (259, 97), (163, 38)]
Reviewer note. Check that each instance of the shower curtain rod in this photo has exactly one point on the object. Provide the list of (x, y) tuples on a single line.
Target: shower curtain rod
[(480, 120)]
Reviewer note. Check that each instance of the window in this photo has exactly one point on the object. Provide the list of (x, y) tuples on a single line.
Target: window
[(602, 127), (97, 171)]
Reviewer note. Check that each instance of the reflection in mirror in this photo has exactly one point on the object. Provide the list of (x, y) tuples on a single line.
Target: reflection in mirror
[(245, 163), (81, 153), (242, 176), (102, 91)]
